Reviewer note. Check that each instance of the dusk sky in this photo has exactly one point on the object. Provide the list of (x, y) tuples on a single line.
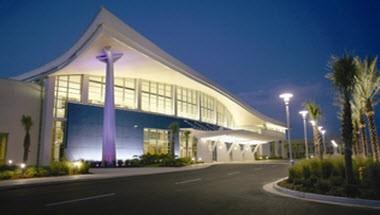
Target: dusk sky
[(255, 49)]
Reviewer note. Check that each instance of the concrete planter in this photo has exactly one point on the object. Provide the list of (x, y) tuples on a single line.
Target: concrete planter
[(274, 188)]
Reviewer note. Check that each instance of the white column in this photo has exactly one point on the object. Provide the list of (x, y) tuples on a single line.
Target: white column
[(283, 152), (47, 121), (109, 124), (84, 91)]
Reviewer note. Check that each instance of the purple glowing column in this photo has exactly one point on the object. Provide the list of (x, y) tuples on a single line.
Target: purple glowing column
[(109, 125)]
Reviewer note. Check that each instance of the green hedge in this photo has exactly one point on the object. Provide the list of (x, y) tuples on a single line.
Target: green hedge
[(54, 169), (160, 160), (327, 176)]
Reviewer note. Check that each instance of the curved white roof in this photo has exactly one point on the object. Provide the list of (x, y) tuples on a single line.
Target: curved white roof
[(106, 29)]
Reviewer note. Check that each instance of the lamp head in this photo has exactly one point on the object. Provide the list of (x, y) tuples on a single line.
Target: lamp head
[(313, 123), (286, 97), (323, 131), (303, 113), (334, 144), (320, 128)]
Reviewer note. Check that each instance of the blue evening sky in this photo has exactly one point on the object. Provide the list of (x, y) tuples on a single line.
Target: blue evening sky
[(255, 49)]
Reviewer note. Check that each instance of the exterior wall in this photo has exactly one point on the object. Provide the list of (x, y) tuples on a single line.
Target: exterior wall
[(18, 98), (84, 131)]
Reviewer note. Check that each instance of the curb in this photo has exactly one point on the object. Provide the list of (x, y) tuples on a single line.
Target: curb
[(89, 177), (274, 188)]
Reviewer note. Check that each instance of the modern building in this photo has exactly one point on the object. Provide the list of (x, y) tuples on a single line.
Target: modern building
[(114, 95)]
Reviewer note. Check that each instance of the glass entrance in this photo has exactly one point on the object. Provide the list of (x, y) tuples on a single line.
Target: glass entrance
[(3, 147)]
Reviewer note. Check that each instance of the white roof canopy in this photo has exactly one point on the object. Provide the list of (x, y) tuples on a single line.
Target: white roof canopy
[(141, 59)]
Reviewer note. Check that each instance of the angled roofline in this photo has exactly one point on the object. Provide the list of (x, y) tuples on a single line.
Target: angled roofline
[(105, 21)]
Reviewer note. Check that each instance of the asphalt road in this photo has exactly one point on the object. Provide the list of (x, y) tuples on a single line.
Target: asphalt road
[(222, 189)]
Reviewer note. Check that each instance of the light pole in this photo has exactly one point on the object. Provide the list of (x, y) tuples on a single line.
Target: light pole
[(286, 97), (304, 114)]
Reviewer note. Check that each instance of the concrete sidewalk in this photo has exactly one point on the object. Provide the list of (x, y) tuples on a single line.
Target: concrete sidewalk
[(97, 173)]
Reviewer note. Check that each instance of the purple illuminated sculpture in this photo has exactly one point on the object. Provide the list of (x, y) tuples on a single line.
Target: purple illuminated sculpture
[(109, 125)]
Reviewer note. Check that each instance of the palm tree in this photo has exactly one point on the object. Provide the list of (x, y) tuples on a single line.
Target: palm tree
[(173, 131), (343, 77), (186, 133), (360, 140), (27, 123), (368, 82), (315, 114)]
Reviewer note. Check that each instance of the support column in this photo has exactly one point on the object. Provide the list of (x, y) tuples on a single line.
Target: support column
[(84, 91), (283, 152), (47, 122), (109, 124)]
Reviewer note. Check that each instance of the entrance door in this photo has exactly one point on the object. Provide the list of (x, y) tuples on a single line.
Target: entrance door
[(3, 147)]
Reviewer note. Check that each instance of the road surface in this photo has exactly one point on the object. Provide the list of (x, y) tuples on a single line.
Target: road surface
[(221, 189)]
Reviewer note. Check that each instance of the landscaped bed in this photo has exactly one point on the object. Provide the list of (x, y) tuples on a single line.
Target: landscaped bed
[(81, 167), (327, 177), (151, 160), (54, 169)]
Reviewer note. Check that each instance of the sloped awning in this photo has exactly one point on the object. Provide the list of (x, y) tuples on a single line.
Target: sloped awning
[(233, 136)]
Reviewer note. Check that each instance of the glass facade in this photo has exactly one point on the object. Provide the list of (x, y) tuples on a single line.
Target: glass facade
[(208, 109), (187, 103), (67, 88), (156, 141), (154, 97), (157, 97), (124, 91)]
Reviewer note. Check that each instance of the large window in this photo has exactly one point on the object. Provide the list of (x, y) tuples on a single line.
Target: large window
[(187, 145), (124, 91), (156, 141), (187, 103), (223, 116), (67, 88), (96, 89), (208, 109), (156, 97)]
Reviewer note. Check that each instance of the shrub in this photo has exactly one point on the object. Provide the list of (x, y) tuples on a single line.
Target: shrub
[(7, 167), (7, 174), (30, 172), (133, 163), (326, 168), (328, 177), (59, 168), (120, 163)]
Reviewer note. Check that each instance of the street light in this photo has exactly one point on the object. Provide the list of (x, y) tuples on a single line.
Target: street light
[(335, 146), (304, 114), (286, 97)]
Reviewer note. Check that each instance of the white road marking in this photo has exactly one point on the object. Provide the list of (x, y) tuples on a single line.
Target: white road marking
[(233, 173), (81, 199), (189, 181)]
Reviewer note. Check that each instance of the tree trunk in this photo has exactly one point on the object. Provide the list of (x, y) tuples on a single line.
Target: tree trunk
[(363, 136), (172, 144), (316, 149), (187, 147), (317, 142), (347, 130), (372, 130), (26, 146), (356, 139)]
